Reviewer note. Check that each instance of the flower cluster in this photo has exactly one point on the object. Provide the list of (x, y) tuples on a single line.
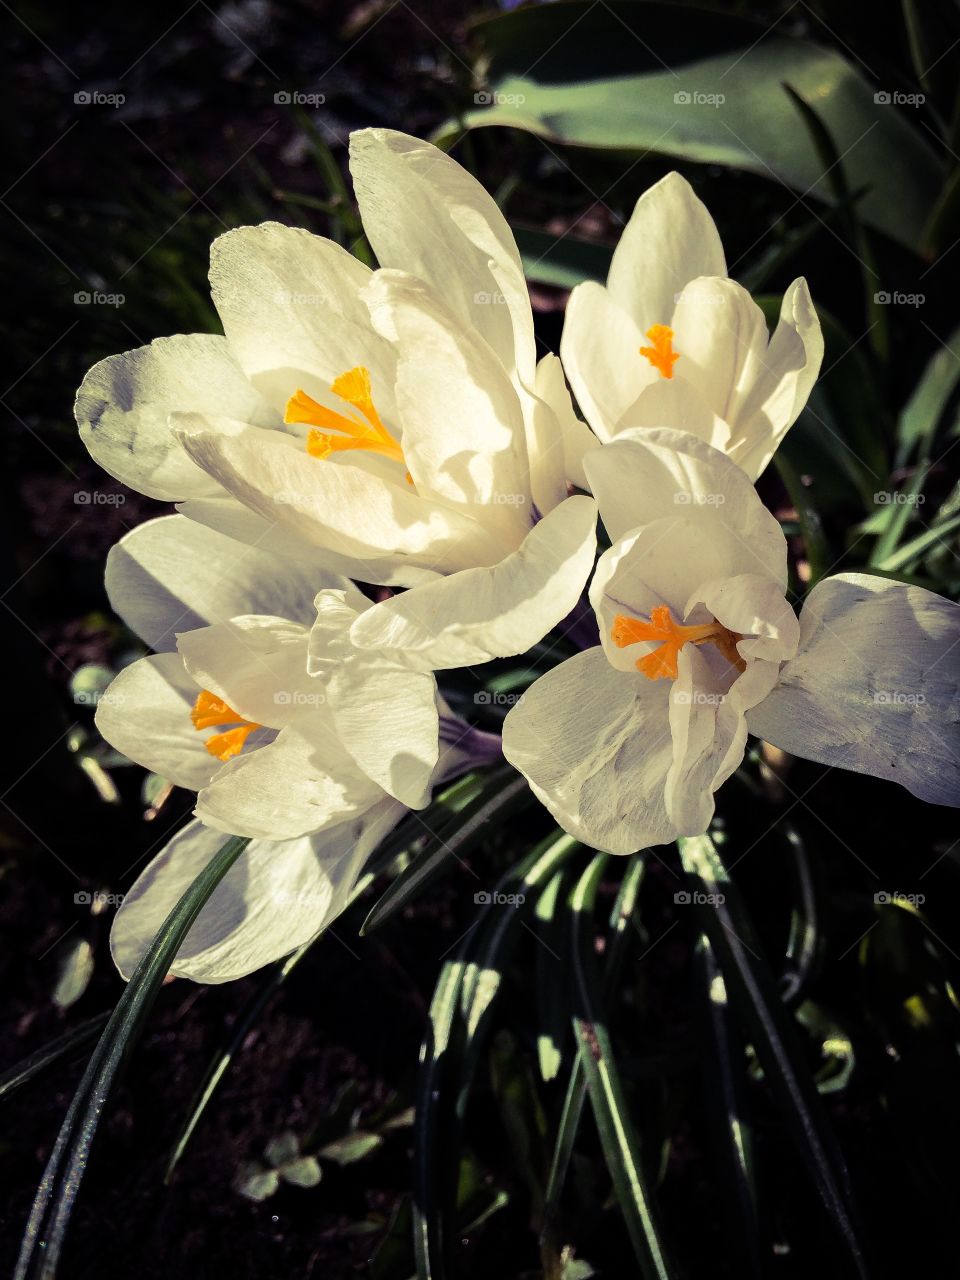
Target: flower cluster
[(393, 428)]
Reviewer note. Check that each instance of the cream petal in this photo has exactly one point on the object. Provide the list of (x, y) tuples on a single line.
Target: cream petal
[(291, 309), (337, 507), (720, 335), (600, 351), (256, 664), (576, 438), (300, 783), (875, 686), (172, 574), (463, 430), (771, 405), (480, 614), (145, 714), (387, 719), (124, 404), (424, 214), (277, 896), (594, 744), (660, 473), (670, 240), (679, 403)]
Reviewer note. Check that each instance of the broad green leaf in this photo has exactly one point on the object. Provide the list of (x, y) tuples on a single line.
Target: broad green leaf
[(351, 1147), (706, 87)]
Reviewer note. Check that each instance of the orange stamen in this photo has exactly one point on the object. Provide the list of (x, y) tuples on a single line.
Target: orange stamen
[(210, 711), (365, 431), (661, 663), (661, 355)]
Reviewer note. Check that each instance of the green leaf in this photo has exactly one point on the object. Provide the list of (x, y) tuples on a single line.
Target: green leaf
[(924, 411), (75, 972), (768, 1026), (608, 76), (304, 1172), (351, 1147), (50, 1054), (256, 1183), (610, 1109), (63, 1176), (281, 1149), (506, 792), (564, 261)]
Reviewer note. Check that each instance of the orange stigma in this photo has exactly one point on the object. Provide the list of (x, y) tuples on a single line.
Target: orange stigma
[(661, 663), (661, 355), (360, 430), (208, 711)]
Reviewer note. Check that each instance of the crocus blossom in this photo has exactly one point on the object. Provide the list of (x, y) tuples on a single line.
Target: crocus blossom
[(671, 341), (627, 742), (394, 421), (234, 713)]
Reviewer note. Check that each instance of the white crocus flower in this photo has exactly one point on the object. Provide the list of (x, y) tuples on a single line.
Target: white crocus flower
[(627, 742), (671, 340), (233, 714), (395, 421)]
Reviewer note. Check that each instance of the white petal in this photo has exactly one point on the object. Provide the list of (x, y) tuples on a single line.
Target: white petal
[(145, 714), (338, 507), (709, 732), (783, 385), (670, 240), (387, 719), (594, 744), (172, 574), (257, 664), (463, 430), (600, 350), (653, 474), (576, 438), (754, 607), (720, 335), (679, 403), (277, 896), (875, 686), (290, 305), (124, 405), (424, 214), (301, 782), (480, 614)]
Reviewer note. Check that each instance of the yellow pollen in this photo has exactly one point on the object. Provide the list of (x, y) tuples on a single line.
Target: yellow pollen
[(209, 711), (662, 662), (365, 431), (661, 355)]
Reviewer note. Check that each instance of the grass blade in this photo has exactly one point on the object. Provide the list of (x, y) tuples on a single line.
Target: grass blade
[(56, 1195), (505, 792), (768, 1025), (51, 1053), (617, 1136)]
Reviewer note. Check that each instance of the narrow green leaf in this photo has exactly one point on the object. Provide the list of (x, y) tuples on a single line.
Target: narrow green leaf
[(56, 1195), (50, 1054), (773, 1035), (506, 792), (610, 1109)]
